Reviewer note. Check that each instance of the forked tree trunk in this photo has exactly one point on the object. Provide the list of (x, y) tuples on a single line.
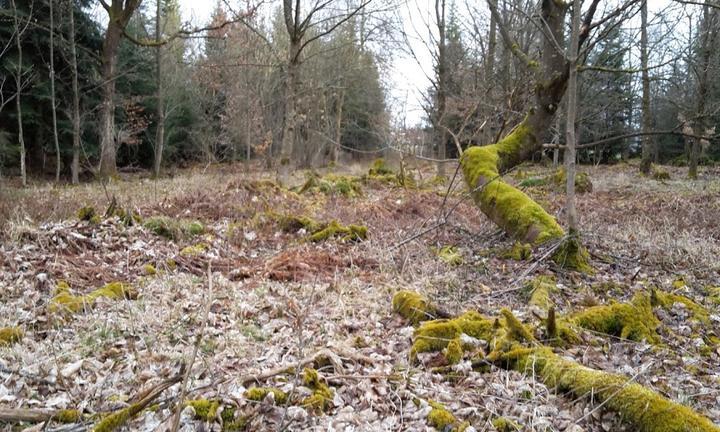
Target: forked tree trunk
[(511, 209)]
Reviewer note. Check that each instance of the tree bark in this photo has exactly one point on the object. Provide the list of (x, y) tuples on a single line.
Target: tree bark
[(511, 209), (18, 89), (119, 13), (570, 140), (647, 143), (160, 132), (289, 122), (706, 41), (52, 94), (441, 133), (75, 167)]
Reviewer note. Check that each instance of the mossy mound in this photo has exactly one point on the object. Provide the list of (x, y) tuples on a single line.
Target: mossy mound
[(205, 409), (10, 336), (334, 229), (659, 173), (88, 214), (332, 184), (634, 321), (572, 255), (582, 181), (260, 393), (194, 250), (443, 420), (379, 167), (66, 302), (533, 182), (149, 270), (435, 335), (450, 255), (321, 398), (518, 252), (380, 172), (292, 224), (413, 306), (173, 229), (667, 300), (68, 416), (502, 424)]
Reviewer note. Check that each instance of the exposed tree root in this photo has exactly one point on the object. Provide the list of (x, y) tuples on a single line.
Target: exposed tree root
[(513, 346)]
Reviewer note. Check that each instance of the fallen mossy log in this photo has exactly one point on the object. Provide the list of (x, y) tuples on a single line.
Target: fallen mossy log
[(511, 345), (38, 415)]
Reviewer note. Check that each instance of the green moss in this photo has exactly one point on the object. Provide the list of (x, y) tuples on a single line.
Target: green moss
[(173, 229), (540, 289), (292, 224), (713, 293), (502, 424), (413, 306), (205, 409), (514, 211), (259, 394), (149, 270), (666, 300), (332, 184), (443, 420), (66, 302), (68, 416), (635, 320), (345, 233), (573, 256), (533, 182), (454, 352), (230, 423), (436, 335), (86, 213), (450, 255), (658, 173), (582, 181), (518, 252), (379, 167), (644, 409), (10, 335), (321, 397), (194, 250), (516, 330), (117, 419)]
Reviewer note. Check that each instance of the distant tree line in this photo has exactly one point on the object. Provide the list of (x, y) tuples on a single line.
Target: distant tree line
[(153, 92)]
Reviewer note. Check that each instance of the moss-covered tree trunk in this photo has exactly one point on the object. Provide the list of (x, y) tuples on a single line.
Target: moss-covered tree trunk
[(511, 209)]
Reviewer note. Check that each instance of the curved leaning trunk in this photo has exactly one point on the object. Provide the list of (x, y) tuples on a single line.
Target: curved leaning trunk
[(511, 209)]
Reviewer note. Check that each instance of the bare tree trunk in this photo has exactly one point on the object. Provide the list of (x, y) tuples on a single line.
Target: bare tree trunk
[(75, 167), (160, 132), (119, 13), (647, 143), (570, 139), (109, 53), (487, 135), (441, 133), (706, 41), (18, 88), (338, 129), (289, 123), (52, 94)]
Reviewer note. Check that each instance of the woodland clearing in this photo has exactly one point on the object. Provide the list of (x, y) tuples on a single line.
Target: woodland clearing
[(279, 303)]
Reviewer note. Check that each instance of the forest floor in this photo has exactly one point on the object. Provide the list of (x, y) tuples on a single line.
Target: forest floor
[(279, 301)]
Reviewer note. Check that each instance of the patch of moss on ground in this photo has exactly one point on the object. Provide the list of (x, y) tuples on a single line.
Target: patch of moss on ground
[(260, 393), (335, 230), (10, 336), (443, 420), (449, 255), (321, 398), (518, 252), (66, 302), (173, 229), (413, 306), (539, 290)]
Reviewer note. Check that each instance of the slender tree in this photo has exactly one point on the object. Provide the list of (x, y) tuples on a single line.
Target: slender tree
[(647, 151), (53, 106), (75, 114), (19, 29), (570, 127), (160, 131)]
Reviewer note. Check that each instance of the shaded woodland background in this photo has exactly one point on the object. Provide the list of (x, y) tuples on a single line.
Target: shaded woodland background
[(222, 90)]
